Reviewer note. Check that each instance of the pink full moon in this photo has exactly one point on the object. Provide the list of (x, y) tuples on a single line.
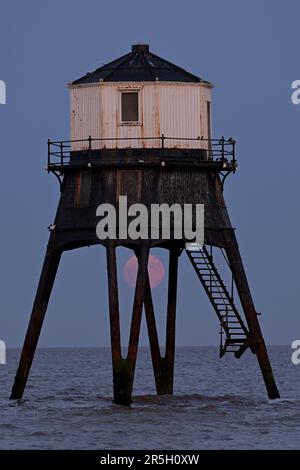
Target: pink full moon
[(156, 271)]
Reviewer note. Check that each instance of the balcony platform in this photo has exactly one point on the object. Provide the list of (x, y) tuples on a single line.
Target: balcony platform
[(220, 156)]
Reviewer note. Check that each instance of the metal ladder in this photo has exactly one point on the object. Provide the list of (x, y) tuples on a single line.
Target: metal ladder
[(234, 335)]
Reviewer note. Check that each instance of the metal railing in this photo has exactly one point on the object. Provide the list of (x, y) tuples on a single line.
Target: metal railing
[(59, 152)]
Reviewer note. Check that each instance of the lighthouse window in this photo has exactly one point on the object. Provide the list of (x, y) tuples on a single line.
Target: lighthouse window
[(129, 107)]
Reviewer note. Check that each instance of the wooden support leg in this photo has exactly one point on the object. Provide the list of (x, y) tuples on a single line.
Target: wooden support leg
[(236, 266), (168, 363), (164, 366), (153, 339), (114, 316), (123, 369), (46, 282)]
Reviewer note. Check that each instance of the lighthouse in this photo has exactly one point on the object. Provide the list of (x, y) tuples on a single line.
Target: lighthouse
[(141, 130)]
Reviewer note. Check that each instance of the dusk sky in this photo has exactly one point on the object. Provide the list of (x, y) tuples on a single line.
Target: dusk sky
[(249, 51)]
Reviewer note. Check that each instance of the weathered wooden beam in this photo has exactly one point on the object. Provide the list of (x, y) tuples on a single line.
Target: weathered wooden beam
[(114, 316), (124, 368), (153, 337), (143, 257), (259, 346), (46, 282), (163, 367), (171, 321)]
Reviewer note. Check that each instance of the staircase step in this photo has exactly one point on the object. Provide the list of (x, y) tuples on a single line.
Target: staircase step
[(229, 312), (236, 334), (235, 331), (230, 318), (236, 340), (234, 327), (214, 292), (215, 284), (202, 266)]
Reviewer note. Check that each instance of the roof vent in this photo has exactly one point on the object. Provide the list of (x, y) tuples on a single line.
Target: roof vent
[(140, 48)]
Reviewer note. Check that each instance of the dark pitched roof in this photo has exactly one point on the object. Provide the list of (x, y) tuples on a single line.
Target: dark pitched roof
[(139, 65)]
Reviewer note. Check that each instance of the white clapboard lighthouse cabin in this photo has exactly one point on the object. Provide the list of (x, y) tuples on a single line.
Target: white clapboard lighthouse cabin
[(133, 101)]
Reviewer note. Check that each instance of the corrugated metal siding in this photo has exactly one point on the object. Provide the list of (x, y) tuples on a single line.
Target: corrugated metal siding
[(85, 114), (206, 98), (180, 111), (173, 109)]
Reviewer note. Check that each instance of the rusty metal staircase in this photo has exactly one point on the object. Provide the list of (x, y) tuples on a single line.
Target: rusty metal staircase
[(234, 335)]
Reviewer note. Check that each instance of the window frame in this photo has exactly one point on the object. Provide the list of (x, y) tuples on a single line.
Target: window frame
[(130, 123)]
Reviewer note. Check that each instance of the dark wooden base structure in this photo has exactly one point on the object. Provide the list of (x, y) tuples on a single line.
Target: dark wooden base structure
[(74, 227), (123, 368)]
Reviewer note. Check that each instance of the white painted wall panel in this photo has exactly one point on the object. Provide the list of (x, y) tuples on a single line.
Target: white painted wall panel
[(85, 115), (174, 109)]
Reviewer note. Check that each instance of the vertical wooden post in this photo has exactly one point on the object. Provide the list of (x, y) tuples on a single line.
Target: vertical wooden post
[(153, 338), (114, 316), (164, 366), (142, 275), (124, 368), (237, 268), (171, 323), (46, 282)]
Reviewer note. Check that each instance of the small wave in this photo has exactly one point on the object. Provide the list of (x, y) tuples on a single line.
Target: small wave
[(19, 402), (38, 433), (280, 401), (46, 398), (186, 401), (7, 426)]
